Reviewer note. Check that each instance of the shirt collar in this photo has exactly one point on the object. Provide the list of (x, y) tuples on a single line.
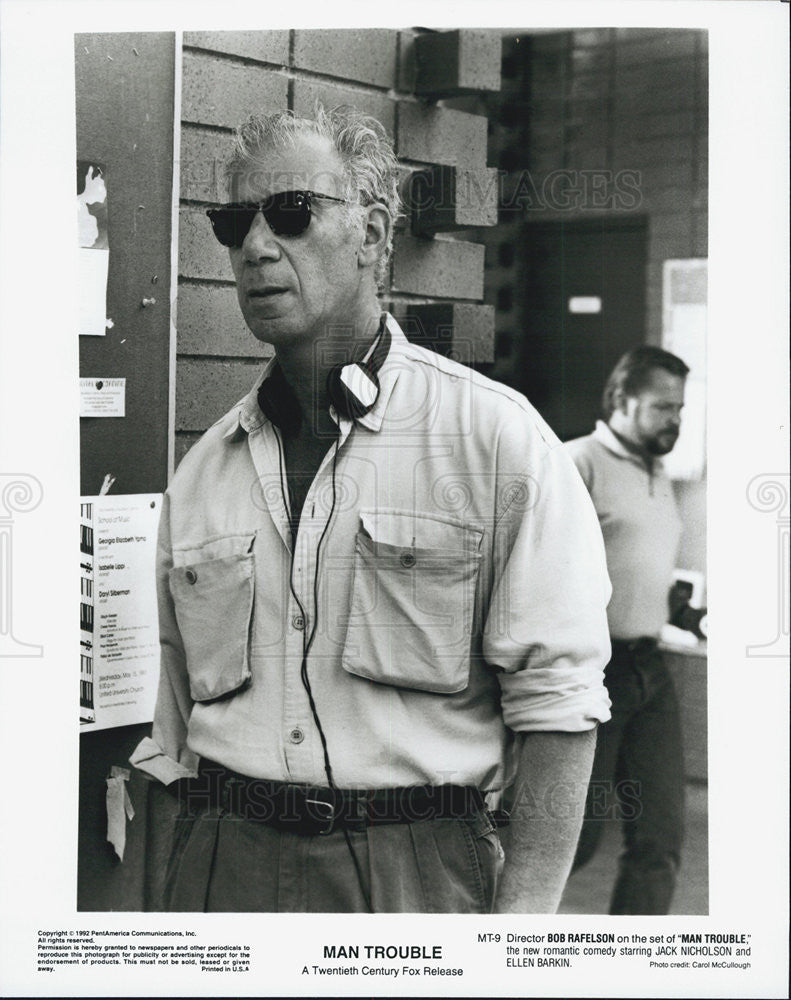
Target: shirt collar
[(248, 416), (604, 434)]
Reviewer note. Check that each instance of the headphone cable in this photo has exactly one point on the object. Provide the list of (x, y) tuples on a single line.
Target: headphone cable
[(307, 642)]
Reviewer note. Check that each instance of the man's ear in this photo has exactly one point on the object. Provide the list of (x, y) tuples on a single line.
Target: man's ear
[(619, 399), (378, 224)]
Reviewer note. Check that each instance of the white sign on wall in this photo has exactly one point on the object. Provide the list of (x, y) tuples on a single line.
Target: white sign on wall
[(119, 636), (684, 320)]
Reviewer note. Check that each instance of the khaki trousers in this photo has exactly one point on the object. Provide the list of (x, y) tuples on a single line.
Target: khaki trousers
[(221, 863)]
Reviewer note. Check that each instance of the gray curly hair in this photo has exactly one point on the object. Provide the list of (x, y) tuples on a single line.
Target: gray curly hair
[(370, 165)]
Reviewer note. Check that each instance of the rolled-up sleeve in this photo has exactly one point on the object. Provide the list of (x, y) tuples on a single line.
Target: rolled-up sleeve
[(546, 628), (164, 756)]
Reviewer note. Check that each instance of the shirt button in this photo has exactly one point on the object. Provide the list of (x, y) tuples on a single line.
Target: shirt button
[(298, 622), (191, 576), (408, 560), (296, 735)]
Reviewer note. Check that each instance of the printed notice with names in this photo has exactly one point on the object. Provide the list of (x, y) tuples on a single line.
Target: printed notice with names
[(119, 646)]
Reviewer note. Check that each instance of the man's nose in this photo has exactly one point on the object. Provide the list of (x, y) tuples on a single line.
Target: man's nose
[(260, 242)]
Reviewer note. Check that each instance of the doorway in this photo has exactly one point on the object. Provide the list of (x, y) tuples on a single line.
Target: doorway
[(583, 294)]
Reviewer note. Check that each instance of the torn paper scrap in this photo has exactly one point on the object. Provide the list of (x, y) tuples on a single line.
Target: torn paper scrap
[(119, 808), (107, 484)]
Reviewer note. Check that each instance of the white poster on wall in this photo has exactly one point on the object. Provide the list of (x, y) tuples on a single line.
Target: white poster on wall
[(94, 250), (684, 323), (119, 647)]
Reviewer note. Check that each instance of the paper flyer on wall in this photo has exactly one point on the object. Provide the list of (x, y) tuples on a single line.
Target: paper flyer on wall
[(119, 642), (102, 397), (734, 942)]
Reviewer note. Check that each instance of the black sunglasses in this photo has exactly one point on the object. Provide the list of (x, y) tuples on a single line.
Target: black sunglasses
[(287, 213)]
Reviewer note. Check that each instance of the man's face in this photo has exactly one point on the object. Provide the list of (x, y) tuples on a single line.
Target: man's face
[(653, 416), (293, 288)]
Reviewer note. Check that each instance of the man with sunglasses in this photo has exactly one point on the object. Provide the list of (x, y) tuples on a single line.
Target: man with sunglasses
[(381, 581)]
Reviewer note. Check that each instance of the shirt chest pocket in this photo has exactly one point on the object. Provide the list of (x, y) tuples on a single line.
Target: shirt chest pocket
[(413, 599), (213, 601)]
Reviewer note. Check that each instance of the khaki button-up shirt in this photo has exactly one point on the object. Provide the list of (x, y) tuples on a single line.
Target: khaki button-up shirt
[(448, 572)]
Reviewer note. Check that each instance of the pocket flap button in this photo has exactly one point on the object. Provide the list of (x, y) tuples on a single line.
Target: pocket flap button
[(191, 576), (407, 560)]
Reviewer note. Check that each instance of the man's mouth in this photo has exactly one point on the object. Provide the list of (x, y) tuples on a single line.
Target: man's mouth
[(265, 293), (668, 438)]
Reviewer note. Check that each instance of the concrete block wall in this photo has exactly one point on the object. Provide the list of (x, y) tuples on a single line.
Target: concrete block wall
[(509, 148), (437, 272)]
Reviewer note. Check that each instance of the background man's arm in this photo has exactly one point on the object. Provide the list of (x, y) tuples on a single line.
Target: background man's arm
[(547, 802)]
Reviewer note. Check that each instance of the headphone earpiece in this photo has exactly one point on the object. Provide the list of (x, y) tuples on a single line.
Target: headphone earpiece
[(353, 389)]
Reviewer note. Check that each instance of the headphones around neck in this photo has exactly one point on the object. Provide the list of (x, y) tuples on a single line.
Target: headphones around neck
[(353, 388)]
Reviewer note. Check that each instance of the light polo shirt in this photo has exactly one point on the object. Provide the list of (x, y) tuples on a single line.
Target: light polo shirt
[(449, 573), (641, 527)]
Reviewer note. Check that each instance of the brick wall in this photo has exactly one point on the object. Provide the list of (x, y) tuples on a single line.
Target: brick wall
[(402, 78), (604, 99), (612, 100)]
